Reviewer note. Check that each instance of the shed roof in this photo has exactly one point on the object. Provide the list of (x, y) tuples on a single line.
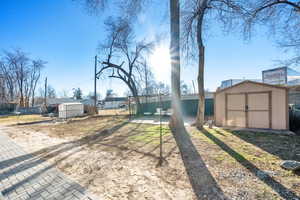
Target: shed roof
[(253, 82), (74, 103)]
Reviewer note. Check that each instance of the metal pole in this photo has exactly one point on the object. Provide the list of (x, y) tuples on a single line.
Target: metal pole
[(160, 132), (45, 92), (95, 85)]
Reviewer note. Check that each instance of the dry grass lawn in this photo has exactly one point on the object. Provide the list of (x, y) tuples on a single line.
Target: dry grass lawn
[(14, 119), (109, 112), (118, 160)]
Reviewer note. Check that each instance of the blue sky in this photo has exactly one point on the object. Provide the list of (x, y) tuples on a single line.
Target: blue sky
[(63, 34)]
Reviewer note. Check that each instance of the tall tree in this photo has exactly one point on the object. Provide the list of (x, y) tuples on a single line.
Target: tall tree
[(9, 79), (19, 61), (194, 12), (176, 121), (21, 75), (121, 43), (35, 74)]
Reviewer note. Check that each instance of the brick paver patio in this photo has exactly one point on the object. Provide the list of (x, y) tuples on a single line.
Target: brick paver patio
[(24, 176)]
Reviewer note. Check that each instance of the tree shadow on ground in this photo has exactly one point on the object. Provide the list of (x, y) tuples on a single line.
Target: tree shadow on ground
[(19, 164), (22, 163), (202, 181), (55, 150), (284, 146), (33, 176), (284, 192)]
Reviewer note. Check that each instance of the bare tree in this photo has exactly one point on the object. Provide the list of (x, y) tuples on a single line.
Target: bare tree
[(51, 92), (19, 62), (282, 18), (34, 74), (9, 79), (129, 8), (120, 45), (37, 65), (147, 80), (21, 75), (195, 13)]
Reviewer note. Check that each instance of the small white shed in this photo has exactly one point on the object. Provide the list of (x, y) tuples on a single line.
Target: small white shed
[(68, 110)]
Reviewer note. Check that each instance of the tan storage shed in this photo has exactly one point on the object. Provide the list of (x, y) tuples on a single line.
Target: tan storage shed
[(252, 105)]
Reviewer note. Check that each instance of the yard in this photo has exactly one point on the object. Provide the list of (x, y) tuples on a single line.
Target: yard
[(19, 119), (116, 159)]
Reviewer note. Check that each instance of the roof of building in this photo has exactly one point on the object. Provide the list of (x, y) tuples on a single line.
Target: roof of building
[(72, 103), (54, 101), (290, 70), (115, 99), (253, 82)]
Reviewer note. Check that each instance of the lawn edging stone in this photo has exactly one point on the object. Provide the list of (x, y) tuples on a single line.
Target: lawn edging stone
[(290, 165)]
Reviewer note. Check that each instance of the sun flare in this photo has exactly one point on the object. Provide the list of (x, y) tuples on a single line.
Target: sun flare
[(161, 64)]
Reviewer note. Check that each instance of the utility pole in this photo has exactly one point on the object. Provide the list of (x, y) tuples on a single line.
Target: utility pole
[(45, 100), (95, 85)]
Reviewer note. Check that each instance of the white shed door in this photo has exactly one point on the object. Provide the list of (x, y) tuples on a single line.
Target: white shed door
[(249, 109), (259, 110), (236, 115)]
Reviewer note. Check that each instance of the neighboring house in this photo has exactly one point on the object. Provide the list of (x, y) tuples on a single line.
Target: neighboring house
[(281, 76), (87, 102), (277, 76), (114, 102), (58, 101), (53, 103)]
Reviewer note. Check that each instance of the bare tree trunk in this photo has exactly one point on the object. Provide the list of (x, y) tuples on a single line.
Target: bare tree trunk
[(201, 105), (138, 105), (176, 121), (33, 96), (134, 93), (200, 79)]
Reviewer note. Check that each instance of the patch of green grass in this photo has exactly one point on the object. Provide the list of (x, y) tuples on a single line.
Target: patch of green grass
[(150, 134)]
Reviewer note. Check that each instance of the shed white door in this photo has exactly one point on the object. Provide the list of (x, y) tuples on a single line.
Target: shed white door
[(259, 110), (251, 110), (235, 114)]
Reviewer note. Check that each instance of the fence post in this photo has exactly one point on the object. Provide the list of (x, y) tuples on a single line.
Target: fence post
[(160, 133)]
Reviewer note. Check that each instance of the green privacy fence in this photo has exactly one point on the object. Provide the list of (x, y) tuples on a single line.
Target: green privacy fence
[(189, 107)]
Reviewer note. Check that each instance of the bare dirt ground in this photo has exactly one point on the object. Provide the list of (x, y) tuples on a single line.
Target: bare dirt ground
[(110, 112), (118, 160)]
